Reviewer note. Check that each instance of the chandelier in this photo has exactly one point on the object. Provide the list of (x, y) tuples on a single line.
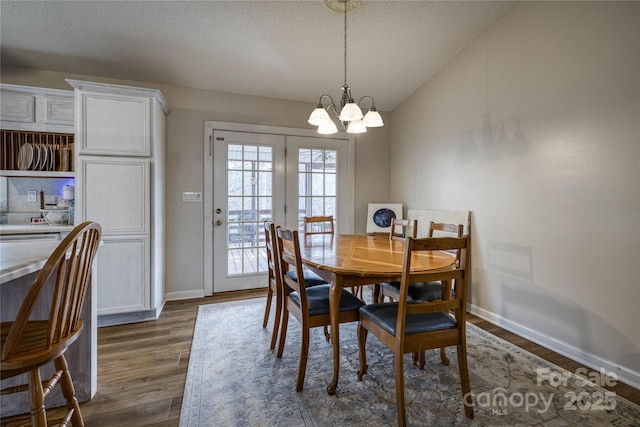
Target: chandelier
[(350, 114)]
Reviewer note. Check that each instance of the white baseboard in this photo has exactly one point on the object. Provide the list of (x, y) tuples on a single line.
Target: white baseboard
[(175, 296), (624, 374)]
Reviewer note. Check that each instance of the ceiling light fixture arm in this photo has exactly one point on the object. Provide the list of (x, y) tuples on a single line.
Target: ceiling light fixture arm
[(373, 103), (346, 97), (328, 106)]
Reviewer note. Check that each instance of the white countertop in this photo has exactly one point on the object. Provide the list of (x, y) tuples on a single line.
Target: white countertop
[(33, 228), (18, 259)]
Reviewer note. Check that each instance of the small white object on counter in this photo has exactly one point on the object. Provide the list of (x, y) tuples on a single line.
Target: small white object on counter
[(68, 192), (56, 216)]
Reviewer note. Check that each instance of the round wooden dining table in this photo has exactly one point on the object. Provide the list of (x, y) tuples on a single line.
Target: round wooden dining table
[(346, 260)]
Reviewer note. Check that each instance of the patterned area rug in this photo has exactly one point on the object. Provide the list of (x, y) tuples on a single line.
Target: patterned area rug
[(234, 379)]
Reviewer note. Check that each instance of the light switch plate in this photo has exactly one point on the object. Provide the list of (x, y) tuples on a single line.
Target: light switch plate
[(191, 197), (32, 195)]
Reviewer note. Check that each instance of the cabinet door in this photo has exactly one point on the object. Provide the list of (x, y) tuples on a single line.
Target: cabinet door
[(116, 125), (123, 274), (58, 111), (17, 107), (116, 193)]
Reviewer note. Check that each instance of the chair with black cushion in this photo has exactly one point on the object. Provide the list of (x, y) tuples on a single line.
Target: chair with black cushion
[(314, 225), (428, 291), (408, 227), (29, 344), (273, 277), (422, 291), (323, 224), (275, 284), (413, 326), (309, 305), (318, 224)]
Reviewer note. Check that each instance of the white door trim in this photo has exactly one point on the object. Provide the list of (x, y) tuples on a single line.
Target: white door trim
[(207, 146)]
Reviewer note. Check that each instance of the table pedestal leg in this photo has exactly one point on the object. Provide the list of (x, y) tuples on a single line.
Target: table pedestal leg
[(334, 311)]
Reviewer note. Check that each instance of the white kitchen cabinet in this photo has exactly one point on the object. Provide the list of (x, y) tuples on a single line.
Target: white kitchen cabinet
[(120, 134), (123, 270), (36, 109), (116, 120), (116, 192)]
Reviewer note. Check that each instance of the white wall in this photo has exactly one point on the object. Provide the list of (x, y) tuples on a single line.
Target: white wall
[(185, 166), (555, 200)]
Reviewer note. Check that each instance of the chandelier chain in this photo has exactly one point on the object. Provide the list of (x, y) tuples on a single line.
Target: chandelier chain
[(345, 42)]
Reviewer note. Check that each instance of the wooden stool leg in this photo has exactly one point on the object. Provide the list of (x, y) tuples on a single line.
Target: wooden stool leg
[(36, 399), (69, 392)]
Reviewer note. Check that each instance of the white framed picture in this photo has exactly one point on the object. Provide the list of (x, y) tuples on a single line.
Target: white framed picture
[(379, 216)]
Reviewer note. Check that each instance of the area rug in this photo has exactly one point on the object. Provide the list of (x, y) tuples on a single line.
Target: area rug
[(234, 379)]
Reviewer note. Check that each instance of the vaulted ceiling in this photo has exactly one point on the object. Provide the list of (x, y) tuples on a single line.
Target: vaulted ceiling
[(283, 49)]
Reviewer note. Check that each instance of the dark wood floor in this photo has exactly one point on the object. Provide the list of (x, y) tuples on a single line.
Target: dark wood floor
[(142, 367)]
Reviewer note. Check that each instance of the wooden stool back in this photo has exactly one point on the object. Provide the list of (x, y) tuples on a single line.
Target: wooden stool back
[(29, 344)]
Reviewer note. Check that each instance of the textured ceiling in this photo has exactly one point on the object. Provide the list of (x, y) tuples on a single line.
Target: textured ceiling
[(283, 49)]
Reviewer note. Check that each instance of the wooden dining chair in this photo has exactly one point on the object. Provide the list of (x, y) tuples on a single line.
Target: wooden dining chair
[(318, 224), (408, 227), (274, 282), (412, 326), (428, 291), (273, 287), (309, 305), (28, 344), (325, 225), (314, 225), (422, 291)]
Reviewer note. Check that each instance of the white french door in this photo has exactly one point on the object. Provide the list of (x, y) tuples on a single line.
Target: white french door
[(248, 190), (317, 180), (254, 181)]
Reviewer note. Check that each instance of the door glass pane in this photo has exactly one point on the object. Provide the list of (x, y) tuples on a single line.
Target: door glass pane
[(330, 184), (235, 156), (264, 181), (317, 177), (249, 202)]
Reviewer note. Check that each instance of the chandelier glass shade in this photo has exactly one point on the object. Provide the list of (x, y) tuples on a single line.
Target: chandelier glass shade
[(350, 113)]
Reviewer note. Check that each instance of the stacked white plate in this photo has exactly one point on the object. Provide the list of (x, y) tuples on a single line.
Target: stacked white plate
[(25, 157), (44, 157)]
